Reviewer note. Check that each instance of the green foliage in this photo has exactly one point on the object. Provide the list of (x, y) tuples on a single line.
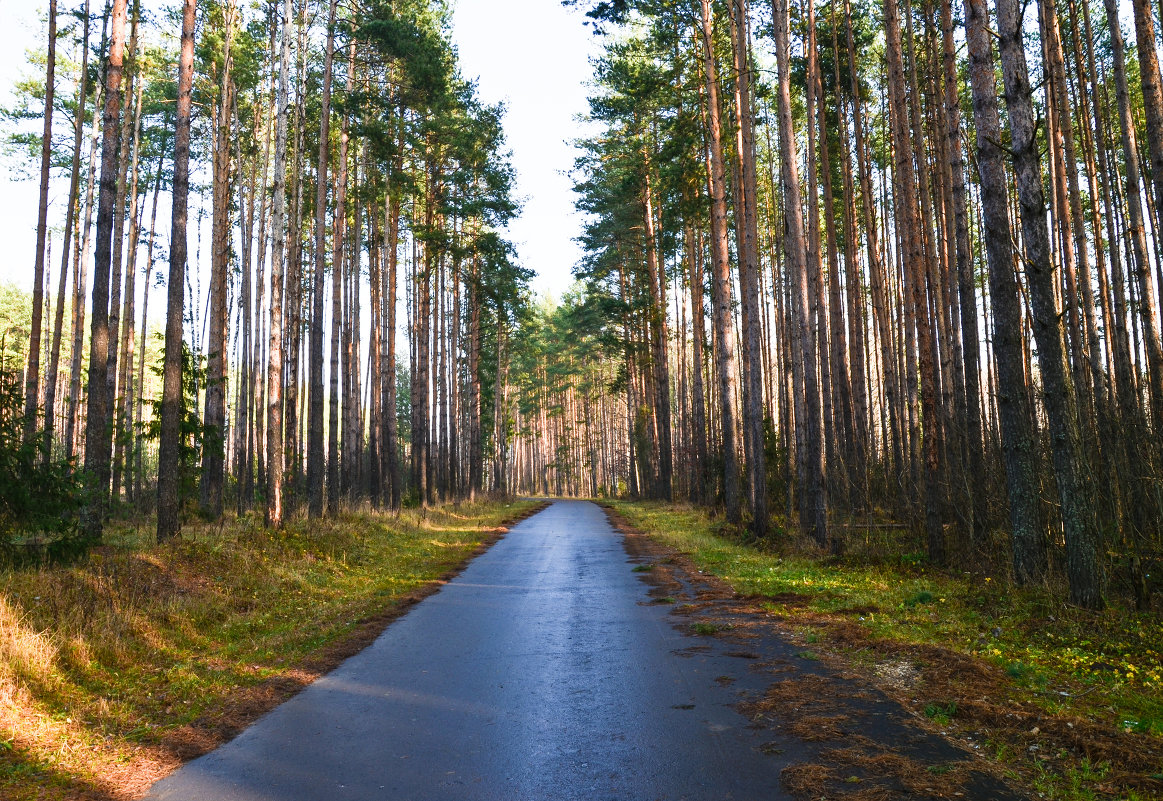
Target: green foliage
[(15, 326), (193, 432), (941, 714), (39, 498)]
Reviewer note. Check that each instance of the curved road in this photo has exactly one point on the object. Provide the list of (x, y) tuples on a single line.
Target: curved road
[(541, 672)]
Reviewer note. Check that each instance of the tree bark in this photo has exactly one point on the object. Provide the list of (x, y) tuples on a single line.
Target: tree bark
[(169, 478), (32, 373), (214, 419), (315, 454), (720, 271), (1014, 408), (813, 491), (1084, 569), (98, 431)]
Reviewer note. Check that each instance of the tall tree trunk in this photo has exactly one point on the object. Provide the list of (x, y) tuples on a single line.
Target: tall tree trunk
[(656, 273), (813, 491), (966, 289), (338, 231), (699, 489), (1152, 84), (749, 273), (315, 455), (98, 431), (123, 402), (80, 272), (214, 419), (169, 452), (276, 463), (391, 439), (721, 270), (50, 390), (1014, 408), (1084, 569), (905, 206), (475, 446), (32, 373)]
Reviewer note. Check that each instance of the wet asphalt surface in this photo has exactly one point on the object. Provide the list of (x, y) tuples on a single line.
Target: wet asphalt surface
[(545, 670)]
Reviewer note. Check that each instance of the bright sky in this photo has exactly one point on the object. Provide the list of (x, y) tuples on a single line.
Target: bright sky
[(17, 198), (533, 56)]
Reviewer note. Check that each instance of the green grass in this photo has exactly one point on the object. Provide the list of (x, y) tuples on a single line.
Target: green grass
[(1105, 666), (1118, 651), (101, 661)]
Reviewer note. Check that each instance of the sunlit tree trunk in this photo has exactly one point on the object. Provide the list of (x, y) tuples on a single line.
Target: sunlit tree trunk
[(98, 431), (32, 372), (720, 271), (813, 491)]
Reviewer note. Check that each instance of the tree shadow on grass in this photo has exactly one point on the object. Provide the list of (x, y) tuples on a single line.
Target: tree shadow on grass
[(22, 771)]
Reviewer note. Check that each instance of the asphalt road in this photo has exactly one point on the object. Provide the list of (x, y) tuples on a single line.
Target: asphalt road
[(541, 672)]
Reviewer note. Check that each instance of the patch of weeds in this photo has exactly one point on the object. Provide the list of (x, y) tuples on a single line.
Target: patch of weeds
[(1142, 726), (1018, 670), (706, 629), (809, 656), (939, 770), (643, 568), (941, 714), (913, 559), (666, 599), (917, 598)]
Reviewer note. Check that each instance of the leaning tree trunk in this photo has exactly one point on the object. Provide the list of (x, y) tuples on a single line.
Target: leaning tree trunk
[(1152, 84)]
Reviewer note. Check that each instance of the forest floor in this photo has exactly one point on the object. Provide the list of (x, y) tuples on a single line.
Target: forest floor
[(115, 670), (1064, 702)]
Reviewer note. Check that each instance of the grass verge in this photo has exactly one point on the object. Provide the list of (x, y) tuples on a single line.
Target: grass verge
[(115, 670), (1069, 699)]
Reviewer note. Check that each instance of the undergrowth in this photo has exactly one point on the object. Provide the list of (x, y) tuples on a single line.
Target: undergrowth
[(116, 667)]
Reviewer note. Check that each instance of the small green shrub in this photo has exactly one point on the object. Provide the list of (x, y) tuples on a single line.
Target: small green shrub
[(40, 497)]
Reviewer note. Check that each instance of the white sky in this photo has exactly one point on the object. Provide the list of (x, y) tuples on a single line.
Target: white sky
[(532, 55)]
